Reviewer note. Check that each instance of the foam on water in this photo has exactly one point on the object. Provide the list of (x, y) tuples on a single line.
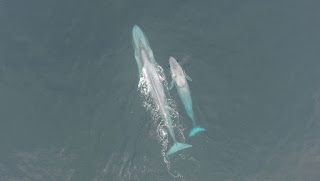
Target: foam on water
[(160, 132)]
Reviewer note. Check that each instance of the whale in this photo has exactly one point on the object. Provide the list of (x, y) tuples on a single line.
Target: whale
[(148, 70), (179, 80)]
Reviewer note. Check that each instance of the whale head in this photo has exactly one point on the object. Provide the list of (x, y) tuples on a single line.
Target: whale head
[(142, 50), (177, 73), (139, 38)]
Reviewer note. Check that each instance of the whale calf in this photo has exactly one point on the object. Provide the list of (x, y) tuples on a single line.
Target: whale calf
[(148, 69), (179, 79)]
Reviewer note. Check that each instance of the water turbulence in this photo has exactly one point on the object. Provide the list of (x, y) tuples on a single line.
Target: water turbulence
[(159, 124), (154, 92), (161, 133)]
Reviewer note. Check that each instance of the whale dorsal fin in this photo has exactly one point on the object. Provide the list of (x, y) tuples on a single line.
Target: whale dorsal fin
[(188, 78), (171, 84)]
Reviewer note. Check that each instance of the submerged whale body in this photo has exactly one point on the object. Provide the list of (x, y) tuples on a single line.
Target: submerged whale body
[(179, 78), (148, 69)]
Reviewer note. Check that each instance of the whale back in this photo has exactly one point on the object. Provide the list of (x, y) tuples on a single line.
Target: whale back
[(181, 80), (177, 73)]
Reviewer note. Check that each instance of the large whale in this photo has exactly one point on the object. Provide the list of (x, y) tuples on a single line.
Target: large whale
[(148, 69), (179, 78)]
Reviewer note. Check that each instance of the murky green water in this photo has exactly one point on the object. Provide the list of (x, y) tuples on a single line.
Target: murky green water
[(70, 108)]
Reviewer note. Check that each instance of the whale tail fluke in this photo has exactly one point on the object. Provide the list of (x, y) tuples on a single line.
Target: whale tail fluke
[(196, 130), (177, 147)]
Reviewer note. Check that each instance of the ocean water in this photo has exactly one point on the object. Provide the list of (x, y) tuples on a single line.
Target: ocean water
[(71, 108)]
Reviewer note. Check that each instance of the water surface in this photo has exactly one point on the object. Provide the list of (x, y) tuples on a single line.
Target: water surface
[(70, 108)]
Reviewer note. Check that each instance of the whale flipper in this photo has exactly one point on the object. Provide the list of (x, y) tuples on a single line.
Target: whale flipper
[(196, 130), (171, 84), (188, 78), (177, 147)]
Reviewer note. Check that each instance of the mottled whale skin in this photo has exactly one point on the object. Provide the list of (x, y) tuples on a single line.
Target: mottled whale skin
[(179, 79), (148, 69)]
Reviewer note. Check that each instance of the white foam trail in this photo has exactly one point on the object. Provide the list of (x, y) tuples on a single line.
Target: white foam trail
[(161, 134)]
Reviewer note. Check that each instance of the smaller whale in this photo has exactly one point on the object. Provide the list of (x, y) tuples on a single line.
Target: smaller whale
[(179, 79)]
